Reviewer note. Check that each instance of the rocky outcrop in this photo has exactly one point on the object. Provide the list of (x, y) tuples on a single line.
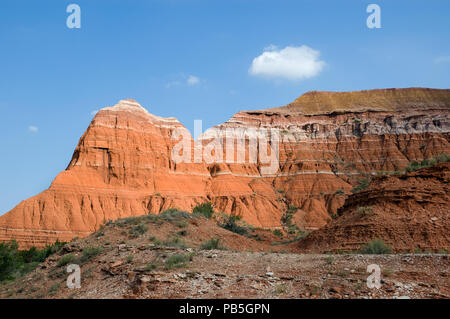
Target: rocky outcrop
[(123, 164), (161, 267), (122, 167), (408, 212)]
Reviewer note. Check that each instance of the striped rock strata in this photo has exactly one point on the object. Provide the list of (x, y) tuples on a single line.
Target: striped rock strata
[(408, 212), (123, 164)]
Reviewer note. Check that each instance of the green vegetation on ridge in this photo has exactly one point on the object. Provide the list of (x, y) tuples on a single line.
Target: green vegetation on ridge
[(15, 263)]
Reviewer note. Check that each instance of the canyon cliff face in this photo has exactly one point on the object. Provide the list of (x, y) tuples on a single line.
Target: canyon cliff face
[(123, 163), (408, 212)]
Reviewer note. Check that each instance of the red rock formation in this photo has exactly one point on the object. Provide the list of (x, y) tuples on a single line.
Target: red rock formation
[(407, 212), (122, 165), (324, 152)]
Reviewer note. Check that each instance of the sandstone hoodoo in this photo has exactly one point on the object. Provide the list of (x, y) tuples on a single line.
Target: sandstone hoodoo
[(328, 142)]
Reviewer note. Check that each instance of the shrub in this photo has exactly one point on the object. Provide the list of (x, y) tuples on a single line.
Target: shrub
[(175, 241), (152, 218), (204, 209), (89, 253), (156, 241), (376, 247), (286, 219), (109, 222), (365, 211), (425, 163), (99, 234), (281, 288), (65, 260), (173, 213), (153, 265), (213, 243), (15, 263), (8, 259), (442, 158), (54, 288), (329, 260), (182, 233), (414, 165), (299, 236), (138, 230), (121, 222), (48, 250), (293, 229), (181, 223), (255, 237), (363, 183), (231, 225), (179, 260), (278, 233), (340, 192)]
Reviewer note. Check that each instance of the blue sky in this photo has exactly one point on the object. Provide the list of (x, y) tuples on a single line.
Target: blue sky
[(53, 77)]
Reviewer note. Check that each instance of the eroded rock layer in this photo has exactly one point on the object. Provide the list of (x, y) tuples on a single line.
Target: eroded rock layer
[(408, 212), (123, 164)]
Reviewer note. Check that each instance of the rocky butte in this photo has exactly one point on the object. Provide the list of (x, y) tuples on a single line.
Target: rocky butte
[(329, 141)]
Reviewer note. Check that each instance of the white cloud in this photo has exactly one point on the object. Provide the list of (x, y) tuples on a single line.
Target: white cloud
[(193, 80), (182, 79), (292, 63), (442, 59), (271, 47), (173, 83), (33, 129)]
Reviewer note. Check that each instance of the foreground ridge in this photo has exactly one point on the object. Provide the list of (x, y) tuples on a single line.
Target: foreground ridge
[(143, 258)]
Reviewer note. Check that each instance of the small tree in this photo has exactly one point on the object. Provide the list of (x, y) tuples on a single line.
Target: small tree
[(376, 247), (204, 209), (231, 225)]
